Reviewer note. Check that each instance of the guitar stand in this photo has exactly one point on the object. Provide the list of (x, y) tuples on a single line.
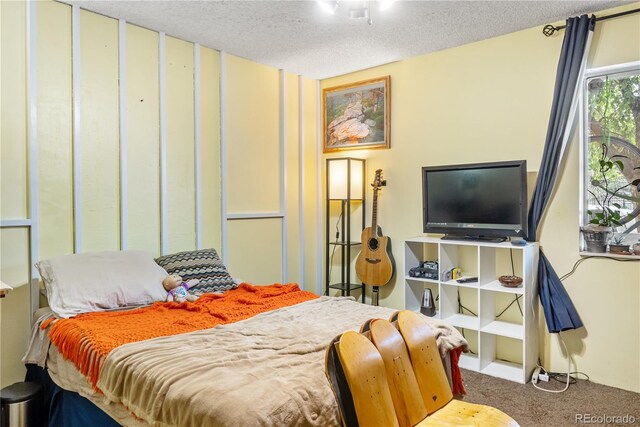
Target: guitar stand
[(375, 295)]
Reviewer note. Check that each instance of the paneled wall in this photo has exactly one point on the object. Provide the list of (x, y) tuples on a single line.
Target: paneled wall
[(143, 141), (266, 153), (120, 117)]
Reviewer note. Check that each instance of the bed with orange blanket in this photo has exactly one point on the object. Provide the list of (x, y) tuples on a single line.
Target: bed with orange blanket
[(250, 356)]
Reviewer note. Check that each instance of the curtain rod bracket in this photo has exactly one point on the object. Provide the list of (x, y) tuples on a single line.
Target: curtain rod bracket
[(549, 29)]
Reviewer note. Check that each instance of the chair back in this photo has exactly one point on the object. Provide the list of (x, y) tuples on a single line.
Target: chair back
[(425, 359), (339, 386), (407, 399), (365, 373)]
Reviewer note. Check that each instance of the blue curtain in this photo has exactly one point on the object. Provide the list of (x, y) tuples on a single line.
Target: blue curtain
[(559, 311)]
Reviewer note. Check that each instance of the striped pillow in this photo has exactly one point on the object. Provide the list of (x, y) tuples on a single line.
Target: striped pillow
[(203, 264)]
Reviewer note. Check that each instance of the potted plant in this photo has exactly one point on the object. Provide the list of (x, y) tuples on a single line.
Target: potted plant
[(603, 221), (617, 245)]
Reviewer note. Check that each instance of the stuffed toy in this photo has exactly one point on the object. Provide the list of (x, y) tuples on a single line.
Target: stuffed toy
[(178, 290)]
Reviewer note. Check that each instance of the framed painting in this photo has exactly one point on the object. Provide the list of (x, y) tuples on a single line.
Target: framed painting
[(356, 115)]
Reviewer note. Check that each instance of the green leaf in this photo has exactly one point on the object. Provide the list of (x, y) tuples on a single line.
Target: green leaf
[(617, 205)]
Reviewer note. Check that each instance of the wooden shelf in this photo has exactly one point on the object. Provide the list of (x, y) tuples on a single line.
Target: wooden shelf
[(453, 282), (608, 255), (505, 329), (496, 286), (464, 321), (469, 361), (421, 279), (506, 370)]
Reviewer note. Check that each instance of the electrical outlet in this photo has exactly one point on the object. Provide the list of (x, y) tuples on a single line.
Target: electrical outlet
[(543, 377), (536, 375)]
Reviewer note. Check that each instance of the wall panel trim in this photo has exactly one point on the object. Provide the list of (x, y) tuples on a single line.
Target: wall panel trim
[(32, 142), (76, 152), (197, 142), (13, 223), (258, 215), (223, 153), (301, 181), (283, 176), (122, 75), (163, 141), (319, 198)]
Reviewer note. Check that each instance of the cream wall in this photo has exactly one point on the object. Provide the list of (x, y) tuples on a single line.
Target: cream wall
[(490, 101), (269, 156)]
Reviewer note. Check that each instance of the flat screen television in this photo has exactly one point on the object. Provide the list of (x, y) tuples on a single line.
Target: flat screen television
[(481, 201)]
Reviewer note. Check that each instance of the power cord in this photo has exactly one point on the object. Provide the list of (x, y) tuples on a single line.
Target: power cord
[(515, 300), (539, 368), (461, 309), (333, 251), (581, 260)]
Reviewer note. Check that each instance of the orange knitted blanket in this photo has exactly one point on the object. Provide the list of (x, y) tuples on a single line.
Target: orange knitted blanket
[(87, 339)]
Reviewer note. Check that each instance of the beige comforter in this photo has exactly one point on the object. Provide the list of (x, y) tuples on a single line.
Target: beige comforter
[(267, 370)]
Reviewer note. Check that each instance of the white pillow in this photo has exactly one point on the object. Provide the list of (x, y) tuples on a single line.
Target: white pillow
[(99, 281)]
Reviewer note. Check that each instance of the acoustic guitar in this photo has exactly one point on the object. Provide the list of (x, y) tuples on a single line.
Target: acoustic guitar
[(374, 265)]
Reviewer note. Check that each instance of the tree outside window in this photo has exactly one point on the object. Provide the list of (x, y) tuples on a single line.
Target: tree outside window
[(612, 153)]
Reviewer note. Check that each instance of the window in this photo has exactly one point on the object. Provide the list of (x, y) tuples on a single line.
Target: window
[(611, 147)]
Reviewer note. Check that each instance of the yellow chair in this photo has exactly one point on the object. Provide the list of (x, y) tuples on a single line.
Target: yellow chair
[(365, 374), (432, 380), (383, 389)]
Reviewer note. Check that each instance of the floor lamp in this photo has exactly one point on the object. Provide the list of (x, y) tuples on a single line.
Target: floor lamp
[(345, 184)]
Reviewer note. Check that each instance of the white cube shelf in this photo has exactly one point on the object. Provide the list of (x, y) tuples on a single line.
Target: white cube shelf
[(485, 298)]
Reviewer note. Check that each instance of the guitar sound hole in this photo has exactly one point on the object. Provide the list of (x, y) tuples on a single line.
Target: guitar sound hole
[(374, 244)]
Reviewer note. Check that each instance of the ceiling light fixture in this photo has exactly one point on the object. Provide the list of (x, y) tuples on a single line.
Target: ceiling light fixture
[(360, 12), (356, 10), (329, 6), (386, 4)]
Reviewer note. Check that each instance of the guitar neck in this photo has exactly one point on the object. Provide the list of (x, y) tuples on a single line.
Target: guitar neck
[(374, 213)]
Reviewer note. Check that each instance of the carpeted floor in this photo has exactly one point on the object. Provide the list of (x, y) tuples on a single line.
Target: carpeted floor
[(532, 407)]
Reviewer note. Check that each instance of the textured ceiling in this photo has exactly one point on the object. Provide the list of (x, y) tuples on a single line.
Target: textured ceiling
[(298, 36)]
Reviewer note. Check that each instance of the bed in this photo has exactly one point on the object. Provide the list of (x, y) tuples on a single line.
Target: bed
[(260, 361)]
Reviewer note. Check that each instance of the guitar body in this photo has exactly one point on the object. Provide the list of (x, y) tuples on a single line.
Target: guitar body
[(374, 265)]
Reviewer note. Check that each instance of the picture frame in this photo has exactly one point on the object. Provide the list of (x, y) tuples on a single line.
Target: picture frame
[(356, 115)]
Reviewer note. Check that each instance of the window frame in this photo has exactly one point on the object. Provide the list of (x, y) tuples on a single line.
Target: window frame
[(584, 135)]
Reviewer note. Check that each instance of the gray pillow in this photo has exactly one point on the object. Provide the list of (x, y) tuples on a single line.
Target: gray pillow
[(204, 265), (96, 281)]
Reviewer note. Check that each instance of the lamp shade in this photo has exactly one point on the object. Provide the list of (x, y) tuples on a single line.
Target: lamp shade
[(344, 174)]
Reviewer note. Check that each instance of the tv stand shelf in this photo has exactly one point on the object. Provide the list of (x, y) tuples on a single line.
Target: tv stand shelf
[(505, 346), (473, 238)]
